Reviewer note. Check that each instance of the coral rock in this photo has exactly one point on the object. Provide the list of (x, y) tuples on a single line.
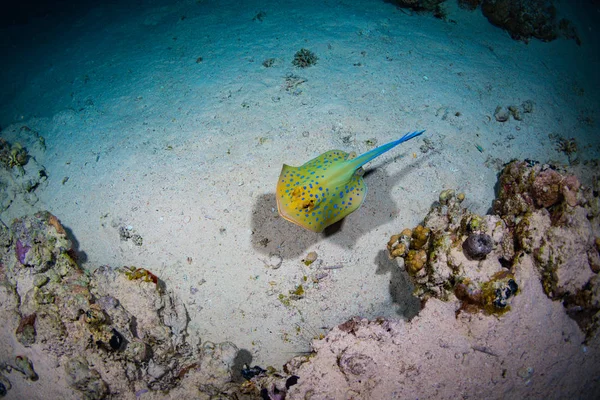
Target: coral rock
[(419, 237), (523, 19), (86, 380), (415, 261), (546, 188)]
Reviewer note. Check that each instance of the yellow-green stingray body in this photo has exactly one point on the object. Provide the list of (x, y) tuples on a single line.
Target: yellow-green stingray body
[(327, 188)]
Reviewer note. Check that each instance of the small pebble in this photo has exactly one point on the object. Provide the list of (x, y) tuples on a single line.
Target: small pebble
[(310, 258), (501, 114), (24, 365), (525, 373), (274, 261)]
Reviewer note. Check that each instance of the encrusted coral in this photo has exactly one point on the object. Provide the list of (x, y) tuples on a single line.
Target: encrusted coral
[(540, 212), (447, 255), (524, 19), (526, 186), (112, 325)]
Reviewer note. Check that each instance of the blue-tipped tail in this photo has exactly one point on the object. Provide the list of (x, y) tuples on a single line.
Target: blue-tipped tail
[(369, 155)]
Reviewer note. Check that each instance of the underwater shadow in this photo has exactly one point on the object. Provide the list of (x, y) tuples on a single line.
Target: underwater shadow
[(79, 255), (379, 206), (271, 234), (242, 361), (401, 288)]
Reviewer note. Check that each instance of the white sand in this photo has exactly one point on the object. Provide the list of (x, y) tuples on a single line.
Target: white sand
[(188, 153)]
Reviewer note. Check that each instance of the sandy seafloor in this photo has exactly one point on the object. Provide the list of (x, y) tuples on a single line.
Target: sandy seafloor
[(186, 152)]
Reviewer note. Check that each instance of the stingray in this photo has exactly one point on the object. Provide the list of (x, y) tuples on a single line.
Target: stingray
[(327, 188)]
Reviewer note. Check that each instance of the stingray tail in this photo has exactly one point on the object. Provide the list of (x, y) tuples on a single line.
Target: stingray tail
[(376, 152)]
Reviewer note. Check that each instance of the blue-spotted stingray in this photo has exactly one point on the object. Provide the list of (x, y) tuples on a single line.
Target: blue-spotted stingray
[(327, 188)]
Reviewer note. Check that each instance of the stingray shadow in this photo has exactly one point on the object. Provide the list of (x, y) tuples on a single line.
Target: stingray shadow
[(80, 255), (401, 287), (378, 208), (273, 234)]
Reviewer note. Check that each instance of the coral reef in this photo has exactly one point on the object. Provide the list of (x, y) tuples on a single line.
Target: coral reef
[(527, 186), (556, 220), (113, 332), (524, 19), (459, 253), (539, 211)]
